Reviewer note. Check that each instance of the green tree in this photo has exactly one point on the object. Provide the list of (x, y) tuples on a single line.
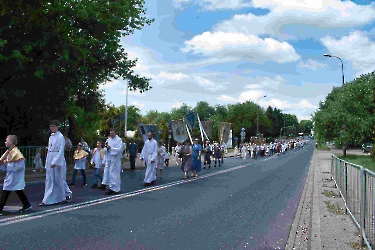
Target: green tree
[(55, 51)]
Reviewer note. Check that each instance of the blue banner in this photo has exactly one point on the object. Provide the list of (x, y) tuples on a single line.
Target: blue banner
[(144, 129), (179, 131), (190, 120)]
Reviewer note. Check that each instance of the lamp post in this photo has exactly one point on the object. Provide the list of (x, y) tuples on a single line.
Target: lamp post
[(258, 115), (126, 108), (342, 66)]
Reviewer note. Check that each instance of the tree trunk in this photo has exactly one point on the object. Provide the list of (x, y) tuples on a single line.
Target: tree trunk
[(344, 151)]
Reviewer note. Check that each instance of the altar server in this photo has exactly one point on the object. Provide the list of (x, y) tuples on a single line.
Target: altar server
[(149, 154)]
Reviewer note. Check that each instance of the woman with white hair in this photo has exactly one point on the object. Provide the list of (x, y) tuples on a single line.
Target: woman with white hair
[(160, 164)]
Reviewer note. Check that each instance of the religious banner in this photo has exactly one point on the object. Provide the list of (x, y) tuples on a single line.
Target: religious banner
[(224, 130), (190, 119), (144, 129), (179, 131), (207, 127)]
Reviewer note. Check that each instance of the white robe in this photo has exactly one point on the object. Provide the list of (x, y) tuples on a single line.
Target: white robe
[(15, 177), (56, 189), (112, 161), (38, 161), (150, 153)]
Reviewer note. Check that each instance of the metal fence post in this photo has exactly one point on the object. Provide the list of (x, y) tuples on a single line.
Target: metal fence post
[(346, 185), (363, 204)]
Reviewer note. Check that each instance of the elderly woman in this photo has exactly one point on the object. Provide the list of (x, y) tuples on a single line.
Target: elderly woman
[(187, 162), (196, 157), (160, 163)]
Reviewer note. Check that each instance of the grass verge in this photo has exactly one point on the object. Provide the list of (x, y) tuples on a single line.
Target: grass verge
[(362, 160), (330, 194), (323, 146)]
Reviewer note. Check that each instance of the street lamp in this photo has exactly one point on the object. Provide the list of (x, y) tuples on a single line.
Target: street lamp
[(126, 108), (258, 114), (342, 66)]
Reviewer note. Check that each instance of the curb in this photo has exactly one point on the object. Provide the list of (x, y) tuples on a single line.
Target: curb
[(316, 241)]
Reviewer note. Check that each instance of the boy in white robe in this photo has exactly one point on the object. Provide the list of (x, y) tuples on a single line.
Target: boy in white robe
[(56, 189), (13, 162), (97, 161), (149, 154), (112, 161)]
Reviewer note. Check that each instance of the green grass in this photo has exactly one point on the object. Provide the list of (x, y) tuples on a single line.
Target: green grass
[(323, 146), (362, 160)]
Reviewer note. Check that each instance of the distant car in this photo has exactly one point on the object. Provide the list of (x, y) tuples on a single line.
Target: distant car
[(367, 147)]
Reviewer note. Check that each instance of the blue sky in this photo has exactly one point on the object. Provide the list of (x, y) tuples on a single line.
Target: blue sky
[(231, 51)]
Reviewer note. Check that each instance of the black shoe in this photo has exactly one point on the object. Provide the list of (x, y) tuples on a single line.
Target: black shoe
[(204, 167), (110, 192), (209, 166), (84, 185), (152, 182), (68, 199), (23, 209), (146, 184), (102, 187), (71, 185), (215, 166), (94, 186), (219, 165)]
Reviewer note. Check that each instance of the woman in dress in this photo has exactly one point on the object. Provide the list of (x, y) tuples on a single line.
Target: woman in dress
[(187, 162), (160, 163), (196, 157)]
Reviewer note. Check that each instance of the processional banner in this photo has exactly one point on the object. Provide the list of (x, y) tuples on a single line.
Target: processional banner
[(207, 127), (190, 120), (179, 131), (224, 131), (144, 129)]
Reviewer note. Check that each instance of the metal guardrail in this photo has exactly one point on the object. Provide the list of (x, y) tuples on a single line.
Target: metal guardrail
[(356, 186), (29, 153)]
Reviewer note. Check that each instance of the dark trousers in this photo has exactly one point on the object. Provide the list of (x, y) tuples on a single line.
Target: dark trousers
[(21, 194), (75, 174), (132, 162)]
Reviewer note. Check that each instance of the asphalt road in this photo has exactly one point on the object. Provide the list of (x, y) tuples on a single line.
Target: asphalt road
[(237, 206)]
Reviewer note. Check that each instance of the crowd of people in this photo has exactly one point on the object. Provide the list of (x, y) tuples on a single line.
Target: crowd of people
[(154, 155), (267, 149)]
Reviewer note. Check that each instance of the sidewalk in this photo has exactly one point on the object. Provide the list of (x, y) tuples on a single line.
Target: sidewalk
[(39, 175), (320, 221)]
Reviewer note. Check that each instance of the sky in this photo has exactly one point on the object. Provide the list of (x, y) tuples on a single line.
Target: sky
[(232, 51)]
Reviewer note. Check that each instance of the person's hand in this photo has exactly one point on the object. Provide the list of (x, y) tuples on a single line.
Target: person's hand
[(108, 146), (53, 166), (152, 162), (141, 159)]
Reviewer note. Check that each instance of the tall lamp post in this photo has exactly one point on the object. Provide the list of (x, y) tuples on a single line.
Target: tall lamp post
[(126, 108), (258, 115), (342, 66)]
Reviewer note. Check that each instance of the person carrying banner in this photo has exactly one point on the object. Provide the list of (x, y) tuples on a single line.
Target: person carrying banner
[(187, 158), (207, 155), (149, 154), (196, 157)]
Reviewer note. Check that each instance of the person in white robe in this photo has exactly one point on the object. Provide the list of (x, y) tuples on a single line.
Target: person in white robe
[(112, 161), (244, 152), (56, 189), (178, 154), (160, 164), (97, 162), (80, 164), (13, 162), (38, 161), (149, 154)]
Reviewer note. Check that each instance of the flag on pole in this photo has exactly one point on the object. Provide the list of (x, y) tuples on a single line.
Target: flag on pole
[(190, 119)]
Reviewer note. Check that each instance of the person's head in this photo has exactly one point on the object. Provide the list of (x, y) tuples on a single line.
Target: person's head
[(196, 141), (132, 141), (54, 126), (187, 143), (11, 141), (112, 133), (149, 136), (207, 142), (79, 146), (160, 143), (99, 144), (178, 143)]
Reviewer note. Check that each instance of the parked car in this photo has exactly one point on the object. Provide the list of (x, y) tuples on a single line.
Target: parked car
[(366, 147)]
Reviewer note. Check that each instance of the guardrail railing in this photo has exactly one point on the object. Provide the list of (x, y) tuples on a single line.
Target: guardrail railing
[(356, 186)]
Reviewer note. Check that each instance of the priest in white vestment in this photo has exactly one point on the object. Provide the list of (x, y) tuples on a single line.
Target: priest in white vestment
[(112, 161), (149, 154), (13, 162), (56, 189)]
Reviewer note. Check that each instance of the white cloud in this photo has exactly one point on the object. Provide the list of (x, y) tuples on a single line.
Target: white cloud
[(276, 103), (214, 4), (356, 48), (226, 98), (252, 86), (295, 16), (311, 64), (306, 104), (208, 84), (109, 84), (137, 104), (136, 93), (171, 76), (242, 47), (177, 105), (300, 118)]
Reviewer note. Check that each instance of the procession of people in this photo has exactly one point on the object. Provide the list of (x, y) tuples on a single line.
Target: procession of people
[(154, 155)]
